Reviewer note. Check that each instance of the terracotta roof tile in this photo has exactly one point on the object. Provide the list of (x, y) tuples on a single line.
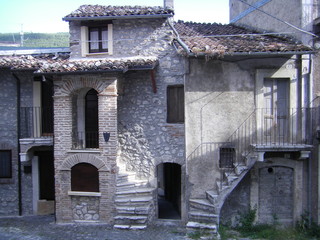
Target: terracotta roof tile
[(62, 64), (109, 11), (217, 40)]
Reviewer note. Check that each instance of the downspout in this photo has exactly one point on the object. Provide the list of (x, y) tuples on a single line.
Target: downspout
[(18, 138), (183, 45)]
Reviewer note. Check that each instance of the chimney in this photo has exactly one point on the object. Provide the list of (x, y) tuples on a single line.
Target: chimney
[(168, 4)]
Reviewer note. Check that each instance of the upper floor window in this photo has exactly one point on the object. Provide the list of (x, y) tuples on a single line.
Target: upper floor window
[(96, 38), (175, 104), (5, 164)]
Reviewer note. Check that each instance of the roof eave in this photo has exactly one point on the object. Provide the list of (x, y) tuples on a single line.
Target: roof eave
[(191, 54), (116, 17)]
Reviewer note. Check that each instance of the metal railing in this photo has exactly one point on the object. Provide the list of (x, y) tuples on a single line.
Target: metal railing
[(264, 127), (85, 140), (36, 122)]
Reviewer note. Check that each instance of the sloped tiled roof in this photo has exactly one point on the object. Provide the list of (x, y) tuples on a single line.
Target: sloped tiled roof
[(62, 64), (218, 40), (85, 11)]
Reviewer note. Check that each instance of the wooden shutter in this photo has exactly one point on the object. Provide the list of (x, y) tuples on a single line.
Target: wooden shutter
[(175, 104), (84, 178), (5, 164)]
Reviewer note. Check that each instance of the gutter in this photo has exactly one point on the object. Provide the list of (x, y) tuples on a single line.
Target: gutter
[(18, 138), (116, 17)]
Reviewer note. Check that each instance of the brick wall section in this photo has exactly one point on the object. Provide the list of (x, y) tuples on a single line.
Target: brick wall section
[(104, 159)]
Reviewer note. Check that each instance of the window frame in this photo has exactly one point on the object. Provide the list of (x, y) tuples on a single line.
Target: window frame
[(175, 104), (9, 170), (227, 157), (85, 38)]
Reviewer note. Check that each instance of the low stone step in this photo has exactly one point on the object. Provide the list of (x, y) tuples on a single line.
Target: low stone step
[(129, 185), (132, 210), (203, 216), (135, 192), (212, 196), (197, 225), (133, 201), (130, 219), (221, 186), (132, 227), (202, 204), (239, 169)]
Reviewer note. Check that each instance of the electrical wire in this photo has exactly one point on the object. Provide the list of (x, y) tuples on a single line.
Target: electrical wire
[(280, 20)]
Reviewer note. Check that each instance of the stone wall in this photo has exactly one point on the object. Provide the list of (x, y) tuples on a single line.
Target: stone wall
[(9, 196), (85, 208)]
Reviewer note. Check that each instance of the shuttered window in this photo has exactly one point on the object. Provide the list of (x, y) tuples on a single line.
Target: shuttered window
[(5, 164), (84, 178), (175, 104)]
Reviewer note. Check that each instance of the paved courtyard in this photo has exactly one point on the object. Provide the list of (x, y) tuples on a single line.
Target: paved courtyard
[(45, 228)]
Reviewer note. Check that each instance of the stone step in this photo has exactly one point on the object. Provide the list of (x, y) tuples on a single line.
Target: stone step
[(221, 186), (203, 204), (132, 210), (212, 196), (239, 169), (135, 192), (203, 216), (130, 185), (206, 226), (132, 227), (133, 201), (130, 219)]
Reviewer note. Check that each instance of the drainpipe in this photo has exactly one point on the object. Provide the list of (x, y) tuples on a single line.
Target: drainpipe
[(183, 45), (18, 137)]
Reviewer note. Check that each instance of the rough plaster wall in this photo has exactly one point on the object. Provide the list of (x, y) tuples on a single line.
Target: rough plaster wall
[(237, 203), (8, 141), (219, 96), (259, 20)]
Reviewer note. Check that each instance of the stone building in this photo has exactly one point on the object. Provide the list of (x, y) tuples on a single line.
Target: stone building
[(147, 120), (301, 24)]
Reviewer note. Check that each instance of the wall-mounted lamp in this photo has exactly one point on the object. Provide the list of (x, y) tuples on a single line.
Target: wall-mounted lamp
[(106, 136)]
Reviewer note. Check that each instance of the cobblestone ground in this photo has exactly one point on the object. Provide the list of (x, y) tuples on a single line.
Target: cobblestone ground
[(45, 228)]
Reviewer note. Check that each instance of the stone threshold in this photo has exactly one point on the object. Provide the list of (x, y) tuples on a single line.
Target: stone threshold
[(84, 194)]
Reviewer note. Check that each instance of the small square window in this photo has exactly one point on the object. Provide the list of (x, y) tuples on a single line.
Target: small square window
[(175, 104), (227, 157), (5, 164)]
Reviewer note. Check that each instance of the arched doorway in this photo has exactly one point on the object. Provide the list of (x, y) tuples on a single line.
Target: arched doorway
[(169, 191)]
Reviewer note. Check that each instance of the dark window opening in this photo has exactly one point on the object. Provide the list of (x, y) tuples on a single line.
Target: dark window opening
[(98, 39), (227, 157), (169, 191), (47, 106), (84, 178), (175, 104), (5, 164), (91, 119)]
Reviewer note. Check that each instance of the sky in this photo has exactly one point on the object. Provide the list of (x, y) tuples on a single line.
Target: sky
[(46, 15)]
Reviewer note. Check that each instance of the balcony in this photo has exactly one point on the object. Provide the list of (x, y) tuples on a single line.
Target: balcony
[(85, 140), (36, 122)]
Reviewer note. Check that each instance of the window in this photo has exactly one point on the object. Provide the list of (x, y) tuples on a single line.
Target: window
[(175, 104), (5, 164), (227, 157), (96, 38), (84, 178)]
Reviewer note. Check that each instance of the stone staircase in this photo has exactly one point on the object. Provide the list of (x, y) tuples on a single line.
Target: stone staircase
[(134, 202), (204, 213)]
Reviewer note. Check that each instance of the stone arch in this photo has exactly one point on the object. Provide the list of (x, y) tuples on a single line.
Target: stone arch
[(69, 162), (74, 84)]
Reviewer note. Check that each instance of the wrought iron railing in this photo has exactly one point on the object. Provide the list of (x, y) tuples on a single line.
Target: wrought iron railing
[(85, 140), (263, 127), (36, 122)]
